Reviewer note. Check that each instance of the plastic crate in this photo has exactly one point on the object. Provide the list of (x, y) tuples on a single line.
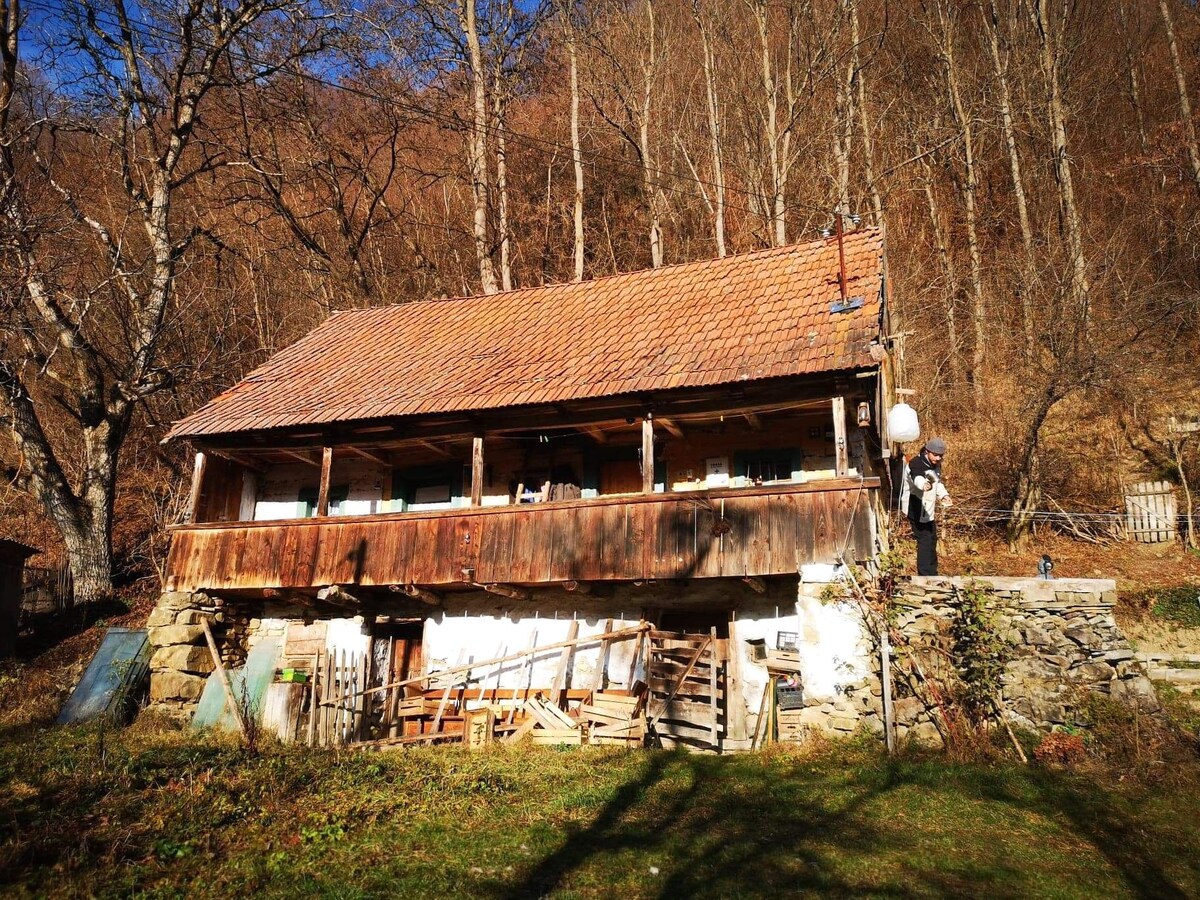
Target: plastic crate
[(789, 697), (786, 640)]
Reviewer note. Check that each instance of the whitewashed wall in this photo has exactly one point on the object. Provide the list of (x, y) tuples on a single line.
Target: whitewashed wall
[(832, 642), (278, 490), (458, 638)]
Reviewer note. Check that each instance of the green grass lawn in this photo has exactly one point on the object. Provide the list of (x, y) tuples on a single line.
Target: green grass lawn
[(154, 813)]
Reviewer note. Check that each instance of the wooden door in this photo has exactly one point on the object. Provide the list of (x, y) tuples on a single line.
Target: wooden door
[(687, 689)]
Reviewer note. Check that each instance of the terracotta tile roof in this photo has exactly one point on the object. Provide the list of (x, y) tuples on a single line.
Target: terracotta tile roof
[(751, 316)]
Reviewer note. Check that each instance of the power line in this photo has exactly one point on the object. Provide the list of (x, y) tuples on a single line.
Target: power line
[(151, 30)]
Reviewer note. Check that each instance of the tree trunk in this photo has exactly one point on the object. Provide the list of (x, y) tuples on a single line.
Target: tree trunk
[(576, 146), (1056, 116), (968, 190), (776, 202), (843, 125), (506, 282), (864, 122), (1185, 105), (477, 147), (649, 182), (714, 128), (1000, 71), (1131, 72), (949, 273)]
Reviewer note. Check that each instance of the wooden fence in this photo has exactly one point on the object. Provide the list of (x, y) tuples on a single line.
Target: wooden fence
[(46, 591), (1151, 512)]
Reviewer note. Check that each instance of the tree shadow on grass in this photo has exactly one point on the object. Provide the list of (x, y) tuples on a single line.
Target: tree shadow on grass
[(716, 827), (721, 833), (1108, 821)]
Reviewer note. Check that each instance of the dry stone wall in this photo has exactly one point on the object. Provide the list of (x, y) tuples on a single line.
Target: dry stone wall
[(1065, 642), (180, 661)]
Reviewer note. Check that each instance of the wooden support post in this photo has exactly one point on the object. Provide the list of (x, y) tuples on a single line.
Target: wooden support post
[(224, 677), (314, 700), (756, 584), (197, 485), (885, 663), (560, 676), (648, 454), (602, 658), (477, 471), (323, 492), (735, 704), (839, 437)]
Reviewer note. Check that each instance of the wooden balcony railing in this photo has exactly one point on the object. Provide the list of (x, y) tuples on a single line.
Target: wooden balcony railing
[(769, 530)]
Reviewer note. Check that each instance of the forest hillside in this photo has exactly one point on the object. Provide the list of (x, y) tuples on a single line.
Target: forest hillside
[(188, 187)]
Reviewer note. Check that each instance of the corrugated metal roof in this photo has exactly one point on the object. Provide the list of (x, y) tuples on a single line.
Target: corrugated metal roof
[(750, 316)]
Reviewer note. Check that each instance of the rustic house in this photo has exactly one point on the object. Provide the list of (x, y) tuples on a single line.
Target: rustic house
[(439, 482)]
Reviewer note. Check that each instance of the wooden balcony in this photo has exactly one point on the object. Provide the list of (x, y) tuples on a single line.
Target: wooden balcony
[(769, 530)]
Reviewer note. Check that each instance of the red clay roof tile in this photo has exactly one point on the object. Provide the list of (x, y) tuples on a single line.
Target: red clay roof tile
[(717, 321)]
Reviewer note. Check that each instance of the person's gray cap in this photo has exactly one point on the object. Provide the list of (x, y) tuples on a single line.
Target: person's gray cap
[(936, 445)]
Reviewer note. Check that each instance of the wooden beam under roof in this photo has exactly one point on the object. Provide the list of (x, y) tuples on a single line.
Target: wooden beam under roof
[(766, 396), (595, 433), (303, 457), (506, 590), (670, 426), (754, 421), (440, 451), (368, 455)]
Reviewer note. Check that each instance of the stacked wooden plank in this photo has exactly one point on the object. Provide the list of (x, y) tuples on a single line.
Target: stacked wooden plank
[(615, 719), (551, 725)]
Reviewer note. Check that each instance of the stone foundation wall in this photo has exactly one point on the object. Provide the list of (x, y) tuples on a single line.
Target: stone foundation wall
[(180, 660), (1066, 643)]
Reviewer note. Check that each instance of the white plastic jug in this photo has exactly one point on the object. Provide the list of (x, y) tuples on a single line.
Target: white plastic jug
[(902, 423)]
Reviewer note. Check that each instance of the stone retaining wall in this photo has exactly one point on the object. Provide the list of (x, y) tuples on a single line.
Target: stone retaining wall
[(180, 660), (1065, 640)]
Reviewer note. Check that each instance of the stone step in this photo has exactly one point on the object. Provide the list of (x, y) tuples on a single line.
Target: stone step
[(1161, 656), (1175, 676)]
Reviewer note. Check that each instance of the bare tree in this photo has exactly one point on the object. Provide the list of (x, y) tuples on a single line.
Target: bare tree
[(566, 16), (624, 88), (1185, 104), (477, 145), (84, 346), (968, 186), (713, 110), (991, 22)]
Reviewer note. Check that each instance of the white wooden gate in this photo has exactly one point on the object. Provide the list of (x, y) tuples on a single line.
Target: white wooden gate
[(1150, 512)]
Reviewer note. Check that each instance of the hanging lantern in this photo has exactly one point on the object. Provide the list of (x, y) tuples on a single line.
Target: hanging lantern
[(902, 423), (864, 414)]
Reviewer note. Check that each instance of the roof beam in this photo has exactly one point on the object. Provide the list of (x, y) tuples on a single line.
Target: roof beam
[(679, 405), (303, 457), (368, 455), (670, 426), (595, 433), (440, 451)]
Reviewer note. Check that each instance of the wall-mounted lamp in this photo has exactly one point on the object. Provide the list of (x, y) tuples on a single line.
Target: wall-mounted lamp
[(864, 414)]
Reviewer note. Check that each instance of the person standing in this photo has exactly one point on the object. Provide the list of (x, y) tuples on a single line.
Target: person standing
[(919, 496)]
